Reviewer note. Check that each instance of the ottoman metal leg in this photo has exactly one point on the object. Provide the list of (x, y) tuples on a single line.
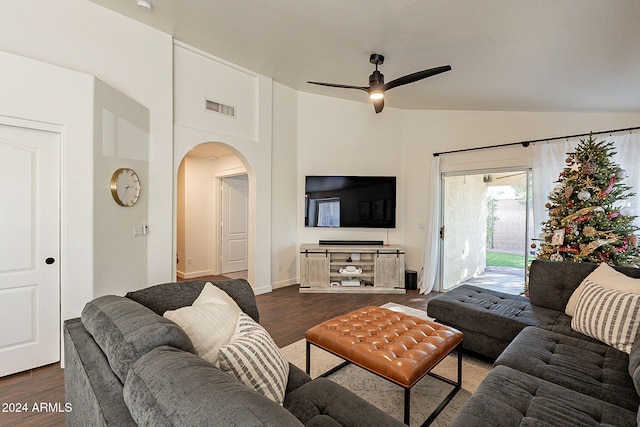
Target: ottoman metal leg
[(407, 405), (457, 385)]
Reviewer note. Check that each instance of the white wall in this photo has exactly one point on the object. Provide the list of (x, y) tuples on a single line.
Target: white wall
[(284, 193), (198, 76), (121, 139), (341, 137), (196, 257), (137, 61)]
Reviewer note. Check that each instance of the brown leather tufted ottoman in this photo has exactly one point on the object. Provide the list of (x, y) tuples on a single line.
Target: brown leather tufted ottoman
[(401, 348)]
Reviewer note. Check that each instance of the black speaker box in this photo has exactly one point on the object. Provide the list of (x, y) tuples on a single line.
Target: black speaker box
[(410, 279)]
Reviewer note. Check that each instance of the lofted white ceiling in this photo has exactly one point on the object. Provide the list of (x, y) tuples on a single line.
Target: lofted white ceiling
[(506, 55)]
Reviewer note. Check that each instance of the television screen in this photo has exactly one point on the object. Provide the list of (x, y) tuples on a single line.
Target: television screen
[(350, 201)]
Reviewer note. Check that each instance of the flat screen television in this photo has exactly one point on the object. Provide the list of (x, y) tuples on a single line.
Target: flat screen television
[(350, 201)]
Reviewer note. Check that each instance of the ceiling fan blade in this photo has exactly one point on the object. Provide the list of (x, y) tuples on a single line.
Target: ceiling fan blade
[(378, 104), (366, 89), (410, 78)]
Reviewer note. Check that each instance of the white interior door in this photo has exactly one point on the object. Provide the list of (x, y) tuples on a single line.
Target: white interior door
[(235, 236), (29, 248)]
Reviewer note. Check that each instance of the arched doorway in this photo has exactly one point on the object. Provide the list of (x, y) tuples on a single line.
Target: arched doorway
[(212, 213)]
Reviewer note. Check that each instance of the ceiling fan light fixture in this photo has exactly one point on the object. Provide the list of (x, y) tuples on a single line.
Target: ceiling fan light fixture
[(377, 87), (376, 94)]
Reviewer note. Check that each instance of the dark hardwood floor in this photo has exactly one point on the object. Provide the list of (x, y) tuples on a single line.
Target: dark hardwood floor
[(285, 313)]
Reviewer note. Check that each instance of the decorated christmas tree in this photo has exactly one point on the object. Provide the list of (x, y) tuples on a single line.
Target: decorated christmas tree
[(588, 222)]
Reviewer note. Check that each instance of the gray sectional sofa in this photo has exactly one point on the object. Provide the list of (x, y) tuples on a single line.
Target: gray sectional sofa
[(125, 365), (545, 373)]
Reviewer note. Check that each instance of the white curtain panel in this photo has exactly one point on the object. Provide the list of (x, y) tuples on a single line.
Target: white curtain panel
[(627, 147), (549, 160), (431, 248)]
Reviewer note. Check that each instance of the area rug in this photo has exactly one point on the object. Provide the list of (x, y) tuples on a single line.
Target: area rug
[(389, 397), (407, 310)]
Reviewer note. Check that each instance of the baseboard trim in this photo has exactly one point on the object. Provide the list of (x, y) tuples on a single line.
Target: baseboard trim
[(284, 283), (262, 290), (195, 274)]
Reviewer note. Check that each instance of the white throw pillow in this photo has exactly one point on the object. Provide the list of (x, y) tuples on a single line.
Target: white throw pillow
[(607, 277), (213, 294), (210, 322), (608, 315), (255, 360)]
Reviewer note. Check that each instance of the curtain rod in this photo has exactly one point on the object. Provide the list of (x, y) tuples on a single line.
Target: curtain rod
[(526, 143)]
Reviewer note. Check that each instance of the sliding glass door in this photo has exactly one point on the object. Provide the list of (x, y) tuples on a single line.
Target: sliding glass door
[(486, 218)]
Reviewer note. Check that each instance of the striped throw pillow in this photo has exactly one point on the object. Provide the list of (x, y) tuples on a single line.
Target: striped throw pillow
[(608, 315), (255, 360)]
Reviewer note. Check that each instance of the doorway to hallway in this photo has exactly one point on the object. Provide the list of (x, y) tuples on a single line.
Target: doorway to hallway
[(212, 213)]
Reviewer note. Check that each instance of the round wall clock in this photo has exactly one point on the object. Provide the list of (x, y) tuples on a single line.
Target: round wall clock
[(125, 187)]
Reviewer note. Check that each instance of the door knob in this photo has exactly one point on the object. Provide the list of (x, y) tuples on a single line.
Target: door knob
[(50, 260)]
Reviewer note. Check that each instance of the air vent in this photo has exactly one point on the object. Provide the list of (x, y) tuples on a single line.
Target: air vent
[(219, 108)]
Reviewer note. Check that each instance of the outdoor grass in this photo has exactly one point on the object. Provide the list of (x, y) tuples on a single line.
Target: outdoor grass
[(501, 259)]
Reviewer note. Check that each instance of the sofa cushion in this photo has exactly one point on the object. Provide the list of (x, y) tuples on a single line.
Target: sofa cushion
[(168, 387), (507, 397), (474, 308), (210, 322), (171, 296), (608, 315), (89, 382), (322, 402), (551, 283), (588, 367), (607, 277), (253, 358), (126, 330)]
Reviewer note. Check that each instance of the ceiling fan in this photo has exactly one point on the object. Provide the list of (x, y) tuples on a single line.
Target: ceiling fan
[(377, 86)]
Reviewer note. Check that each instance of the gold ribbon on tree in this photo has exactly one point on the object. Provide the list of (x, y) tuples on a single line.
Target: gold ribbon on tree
[(582, 212), (587, 249)]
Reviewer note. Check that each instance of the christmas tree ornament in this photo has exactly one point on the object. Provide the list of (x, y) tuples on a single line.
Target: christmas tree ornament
[(584, 195), (556, 257), (621, 174), (568, 191), (533, 246), (588, 168), (558, 237)]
